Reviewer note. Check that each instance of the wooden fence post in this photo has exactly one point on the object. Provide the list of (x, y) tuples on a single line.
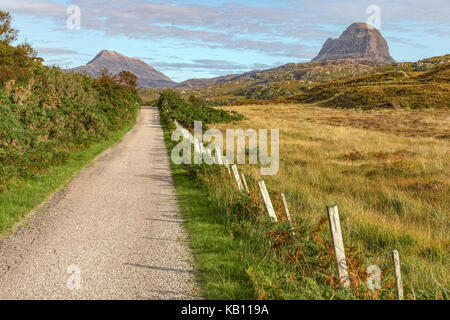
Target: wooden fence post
[(266, 197), (338, 243), (237, 177), (398, 274), (286, 209), (245, 183)]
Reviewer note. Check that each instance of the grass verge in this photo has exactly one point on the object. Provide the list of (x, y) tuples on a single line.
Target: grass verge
[(24, 195), (218, 266), (235, 246)]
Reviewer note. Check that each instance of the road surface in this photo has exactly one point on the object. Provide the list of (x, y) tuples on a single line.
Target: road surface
[(113, 233)]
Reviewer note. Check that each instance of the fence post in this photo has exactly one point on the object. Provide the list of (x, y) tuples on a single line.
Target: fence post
[(286, 209), (338, 243), (398, 274), (245, 183), (225, 162), (266, 197), (237, 177)]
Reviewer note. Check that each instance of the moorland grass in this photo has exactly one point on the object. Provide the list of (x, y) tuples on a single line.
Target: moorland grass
[(391, 189)]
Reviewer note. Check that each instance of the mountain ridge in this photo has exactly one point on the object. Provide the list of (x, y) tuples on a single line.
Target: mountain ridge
[(115, 62)]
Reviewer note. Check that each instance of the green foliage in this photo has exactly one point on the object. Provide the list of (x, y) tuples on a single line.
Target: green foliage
[(7, 33), (172, 106), (16, 62), (47, 114), (231, 232)]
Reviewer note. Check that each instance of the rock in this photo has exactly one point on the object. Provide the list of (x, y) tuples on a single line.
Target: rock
[(359, 41)]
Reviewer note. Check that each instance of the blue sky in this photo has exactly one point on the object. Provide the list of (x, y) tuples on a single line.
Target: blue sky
[(192, 39)]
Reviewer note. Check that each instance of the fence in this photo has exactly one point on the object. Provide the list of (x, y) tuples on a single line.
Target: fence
[(333, 219)]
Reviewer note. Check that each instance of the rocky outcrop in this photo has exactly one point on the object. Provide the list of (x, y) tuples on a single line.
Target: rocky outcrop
[(359, 41)]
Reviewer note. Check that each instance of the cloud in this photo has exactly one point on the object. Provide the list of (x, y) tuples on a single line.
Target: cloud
[(35, 8), (202, 64), (406, 42), (230, 23), (55, 51), (290, 30), (218, 67)]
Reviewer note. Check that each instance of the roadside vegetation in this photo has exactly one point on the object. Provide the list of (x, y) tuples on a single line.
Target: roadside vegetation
[(392, 190), (172, 106), (390, 184), (50, 119)]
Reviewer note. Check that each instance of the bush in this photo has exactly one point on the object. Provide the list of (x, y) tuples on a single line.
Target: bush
[(46, 114), (172, 107)]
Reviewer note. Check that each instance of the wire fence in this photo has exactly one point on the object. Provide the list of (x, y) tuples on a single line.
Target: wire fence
[(241, 184)]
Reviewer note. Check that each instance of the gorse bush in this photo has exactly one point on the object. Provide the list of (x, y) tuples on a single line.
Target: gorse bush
[(46, 114), (172, 106)]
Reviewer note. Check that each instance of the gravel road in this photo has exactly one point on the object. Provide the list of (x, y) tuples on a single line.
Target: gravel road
[(113, 233)]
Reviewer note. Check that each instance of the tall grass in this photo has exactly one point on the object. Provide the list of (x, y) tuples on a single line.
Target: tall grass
[(392, 193)]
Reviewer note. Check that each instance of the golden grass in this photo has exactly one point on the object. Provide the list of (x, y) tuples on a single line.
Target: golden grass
[(388, 172)]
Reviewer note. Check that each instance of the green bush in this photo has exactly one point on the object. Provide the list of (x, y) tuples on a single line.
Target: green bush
[(172, 106), (46, 113)]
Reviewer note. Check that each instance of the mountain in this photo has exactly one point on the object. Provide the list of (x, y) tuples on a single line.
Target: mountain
[(115, 62), (197, 83), (306, 72), (359, 41)]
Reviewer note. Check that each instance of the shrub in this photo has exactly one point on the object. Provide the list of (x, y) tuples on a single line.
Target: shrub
[(46, 114), (172, 106)]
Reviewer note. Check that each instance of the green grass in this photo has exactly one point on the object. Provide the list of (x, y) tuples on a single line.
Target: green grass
[(220, 272), (24, 195), (397, 206), (239, 253)]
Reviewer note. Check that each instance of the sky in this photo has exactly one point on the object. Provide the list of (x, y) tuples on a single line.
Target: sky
[(200, 39)]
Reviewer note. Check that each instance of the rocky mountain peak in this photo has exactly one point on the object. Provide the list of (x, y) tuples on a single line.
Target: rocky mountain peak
[(115, 62), (358, 41)]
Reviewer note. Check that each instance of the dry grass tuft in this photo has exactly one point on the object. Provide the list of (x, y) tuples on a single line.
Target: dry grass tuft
[(387, 171)]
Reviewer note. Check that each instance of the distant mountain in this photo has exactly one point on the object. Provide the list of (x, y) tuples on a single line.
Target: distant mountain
[(359, 41), (306, 72), (115, 62), (343, 83), (197, 83)]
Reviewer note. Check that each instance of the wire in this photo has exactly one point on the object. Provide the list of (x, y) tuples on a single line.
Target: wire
[(401, 262), (378, 247)]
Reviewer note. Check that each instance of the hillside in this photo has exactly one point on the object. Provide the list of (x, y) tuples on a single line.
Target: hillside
[(309, 71), (284, 81), (425, 84), (197, 83), (343, 83), (148, 77)]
